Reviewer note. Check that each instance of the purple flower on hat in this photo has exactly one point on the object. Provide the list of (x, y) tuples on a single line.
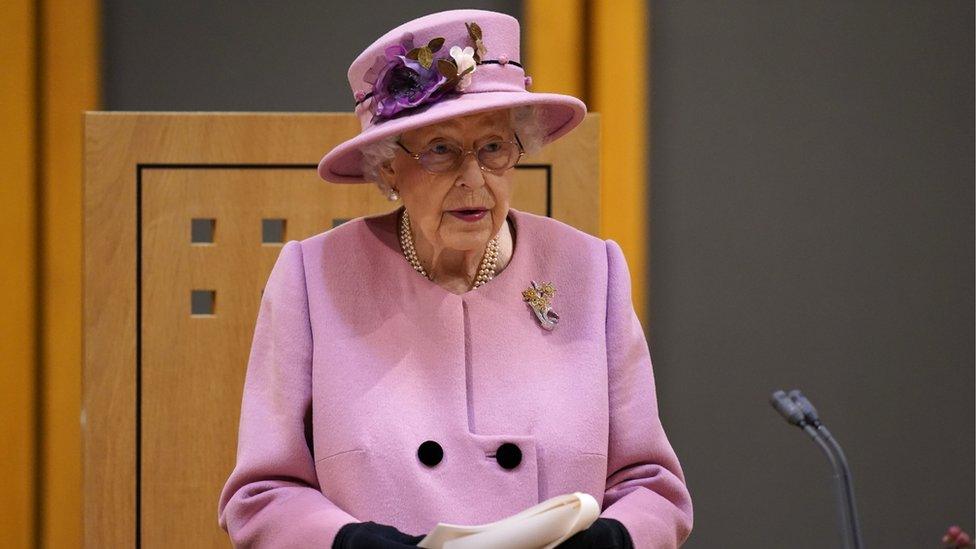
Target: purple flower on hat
[(405, 77), (403, 83)]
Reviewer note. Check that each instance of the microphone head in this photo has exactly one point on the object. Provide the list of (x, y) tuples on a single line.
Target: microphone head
[(805, 406), (787, 408)]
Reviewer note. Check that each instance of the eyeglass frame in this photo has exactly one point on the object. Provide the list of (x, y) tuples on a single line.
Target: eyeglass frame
[(465, 153)]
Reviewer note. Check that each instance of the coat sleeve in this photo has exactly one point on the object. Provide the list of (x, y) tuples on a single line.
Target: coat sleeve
[(646, 488), (272, 497)]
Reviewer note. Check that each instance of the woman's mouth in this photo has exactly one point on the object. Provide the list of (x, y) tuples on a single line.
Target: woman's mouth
[(473, 214)]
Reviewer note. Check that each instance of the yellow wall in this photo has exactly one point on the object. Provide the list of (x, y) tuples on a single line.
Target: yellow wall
[(71, 85), (50, 76), (596, 50), (18, 273)]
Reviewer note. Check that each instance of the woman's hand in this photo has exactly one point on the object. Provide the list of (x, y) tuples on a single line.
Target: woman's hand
[(372, 535), (604, 533)]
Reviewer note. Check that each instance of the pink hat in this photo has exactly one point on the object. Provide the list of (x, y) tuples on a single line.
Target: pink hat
[(441, 66)]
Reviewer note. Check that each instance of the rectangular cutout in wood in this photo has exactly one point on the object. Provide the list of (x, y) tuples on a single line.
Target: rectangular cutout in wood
[(202, 302), (272, 231), (202, 230)]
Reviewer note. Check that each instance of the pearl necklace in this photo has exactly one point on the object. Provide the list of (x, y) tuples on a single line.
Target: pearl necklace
[(486, 270)]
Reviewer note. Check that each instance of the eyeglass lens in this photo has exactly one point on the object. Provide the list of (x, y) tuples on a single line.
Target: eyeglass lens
[(494, 155)]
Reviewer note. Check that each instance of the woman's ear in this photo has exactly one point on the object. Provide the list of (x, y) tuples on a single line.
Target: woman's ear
[(387, 172)]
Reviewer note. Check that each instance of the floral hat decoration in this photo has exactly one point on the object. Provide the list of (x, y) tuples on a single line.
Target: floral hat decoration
[(435, 68), (406, 76)]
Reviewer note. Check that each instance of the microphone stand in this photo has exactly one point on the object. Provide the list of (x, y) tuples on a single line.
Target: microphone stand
[(797, 410), (810, 413)]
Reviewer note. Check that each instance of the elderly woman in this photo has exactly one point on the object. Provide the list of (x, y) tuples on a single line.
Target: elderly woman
[(454, 360)]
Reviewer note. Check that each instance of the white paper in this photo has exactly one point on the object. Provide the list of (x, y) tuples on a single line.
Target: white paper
[(542, 526)]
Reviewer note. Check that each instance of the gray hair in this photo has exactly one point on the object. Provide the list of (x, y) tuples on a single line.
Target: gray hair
[(526, 120)]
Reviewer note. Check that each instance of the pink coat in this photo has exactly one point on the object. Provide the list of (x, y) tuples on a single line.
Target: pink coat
[(357, 360)]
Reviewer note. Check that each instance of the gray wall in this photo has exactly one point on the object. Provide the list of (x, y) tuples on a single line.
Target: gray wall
[(247, 55), (811, 222), (812, 227)]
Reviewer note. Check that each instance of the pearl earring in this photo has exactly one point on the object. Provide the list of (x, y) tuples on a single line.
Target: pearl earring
[(393, 195)]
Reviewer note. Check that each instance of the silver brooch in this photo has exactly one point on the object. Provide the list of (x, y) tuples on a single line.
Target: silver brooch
[(538, 299)]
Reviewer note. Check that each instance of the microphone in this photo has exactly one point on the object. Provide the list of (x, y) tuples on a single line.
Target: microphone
[(788, 409), (810, 414), (798, 411)]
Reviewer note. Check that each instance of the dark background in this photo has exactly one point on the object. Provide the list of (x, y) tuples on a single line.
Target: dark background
[(812, 227), (811, 221)]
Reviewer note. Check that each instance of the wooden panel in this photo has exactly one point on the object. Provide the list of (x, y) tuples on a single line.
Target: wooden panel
[(193, 365), (162, 395), (555, 33), (70, 86), (618, 38), (578, 48), (18, 274)]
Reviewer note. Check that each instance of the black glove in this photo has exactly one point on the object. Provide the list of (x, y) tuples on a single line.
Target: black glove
[(372, 535), (604, 533)]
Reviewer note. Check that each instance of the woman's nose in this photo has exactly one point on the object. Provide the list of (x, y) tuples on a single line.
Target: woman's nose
[(471, 173)]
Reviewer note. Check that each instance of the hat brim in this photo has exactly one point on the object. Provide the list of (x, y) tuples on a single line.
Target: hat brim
[(560, 114)]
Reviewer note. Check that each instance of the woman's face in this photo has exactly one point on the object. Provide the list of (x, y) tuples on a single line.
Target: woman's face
[(430, 198)]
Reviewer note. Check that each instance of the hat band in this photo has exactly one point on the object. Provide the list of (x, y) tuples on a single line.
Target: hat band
[(469, 89)]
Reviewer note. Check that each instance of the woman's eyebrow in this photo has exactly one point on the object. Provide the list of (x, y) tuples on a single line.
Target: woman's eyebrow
[(453, 137), (441, 134), (437, 136)]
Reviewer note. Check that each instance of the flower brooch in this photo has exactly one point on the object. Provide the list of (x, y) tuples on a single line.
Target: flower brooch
[(407, 76), (538, 299)]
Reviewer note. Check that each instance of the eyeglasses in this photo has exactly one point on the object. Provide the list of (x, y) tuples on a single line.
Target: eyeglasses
[(494, 156)]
